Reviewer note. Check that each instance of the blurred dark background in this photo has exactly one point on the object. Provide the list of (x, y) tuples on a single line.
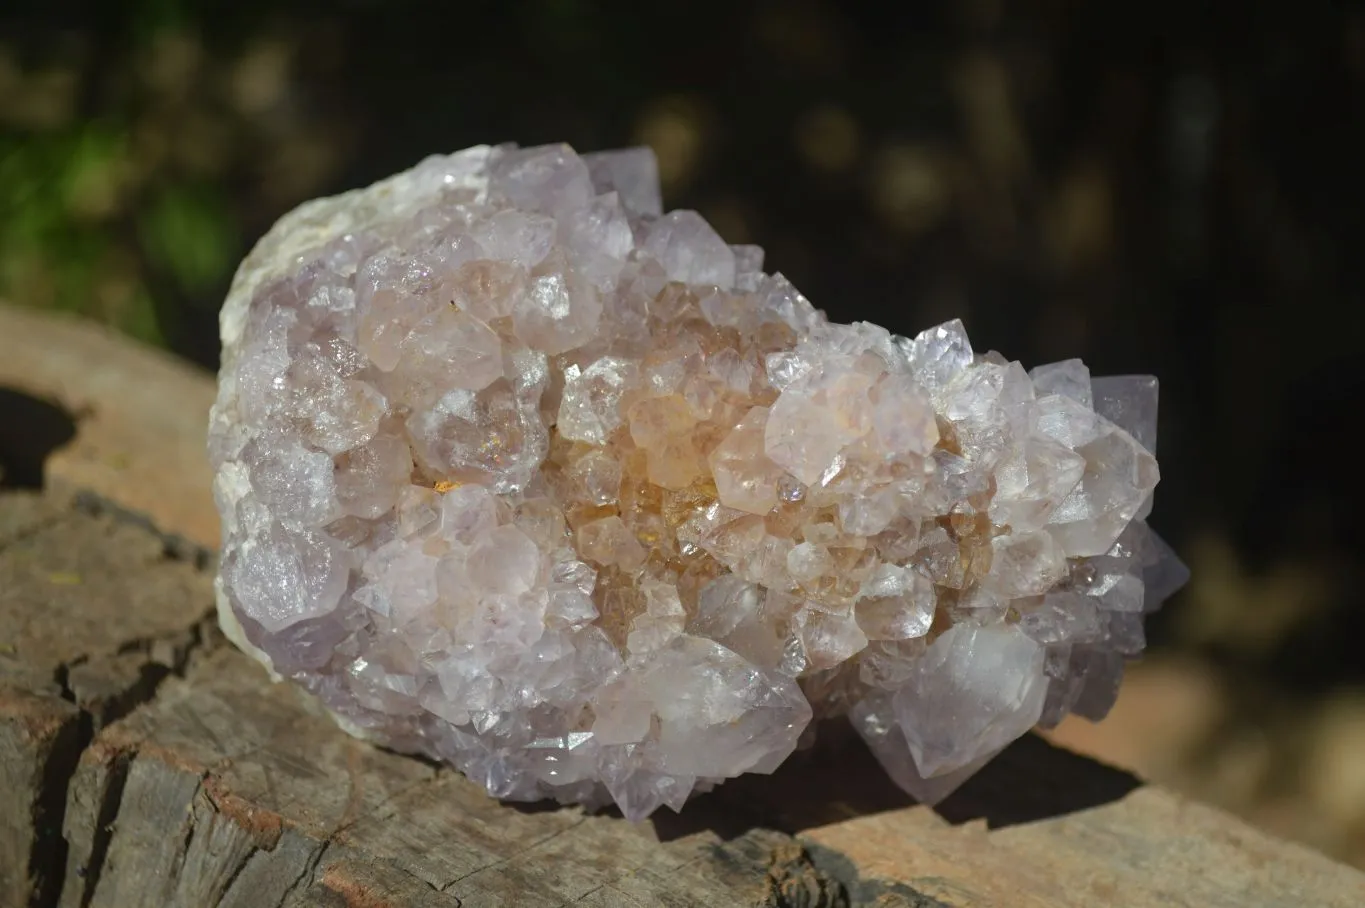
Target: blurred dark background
[(1174, 187)]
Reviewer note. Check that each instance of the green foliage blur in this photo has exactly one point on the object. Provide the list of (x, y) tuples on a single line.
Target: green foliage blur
[(131, 141), (76, 239), (92, 220)]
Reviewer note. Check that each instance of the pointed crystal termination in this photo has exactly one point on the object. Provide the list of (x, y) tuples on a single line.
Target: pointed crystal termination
[(520, 472)]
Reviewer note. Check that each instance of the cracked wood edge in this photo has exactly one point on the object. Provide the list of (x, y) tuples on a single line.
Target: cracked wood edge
[(81, 644), (146, 763), (229, 790)]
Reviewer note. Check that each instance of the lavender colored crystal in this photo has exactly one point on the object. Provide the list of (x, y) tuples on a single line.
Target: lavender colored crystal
[(520, 472)]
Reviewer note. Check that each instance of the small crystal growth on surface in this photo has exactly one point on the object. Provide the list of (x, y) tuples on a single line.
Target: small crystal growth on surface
[(521, 473)]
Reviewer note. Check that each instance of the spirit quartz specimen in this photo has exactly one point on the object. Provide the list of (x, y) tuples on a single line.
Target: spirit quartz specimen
[(519, 472)]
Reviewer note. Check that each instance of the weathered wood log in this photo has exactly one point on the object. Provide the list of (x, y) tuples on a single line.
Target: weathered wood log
[(144, 762)]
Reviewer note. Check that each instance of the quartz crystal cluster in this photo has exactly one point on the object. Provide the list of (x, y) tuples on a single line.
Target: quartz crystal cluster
[(519, 472)]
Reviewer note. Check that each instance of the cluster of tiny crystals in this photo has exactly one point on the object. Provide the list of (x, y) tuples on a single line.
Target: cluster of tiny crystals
[(521, 473)]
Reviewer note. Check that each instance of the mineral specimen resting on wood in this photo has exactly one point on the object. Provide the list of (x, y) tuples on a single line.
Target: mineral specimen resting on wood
[(521, 473)]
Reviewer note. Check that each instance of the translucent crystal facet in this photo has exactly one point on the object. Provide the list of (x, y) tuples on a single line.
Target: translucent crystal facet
[(520, 472)]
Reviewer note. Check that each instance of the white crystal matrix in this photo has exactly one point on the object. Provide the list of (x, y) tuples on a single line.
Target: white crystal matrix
[(521, 473)]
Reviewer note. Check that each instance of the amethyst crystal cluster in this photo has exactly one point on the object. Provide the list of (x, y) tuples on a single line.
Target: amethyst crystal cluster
[(519, 472)]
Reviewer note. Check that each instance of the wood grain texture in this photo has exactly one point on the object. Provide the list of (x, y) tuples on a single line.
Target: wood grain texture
[(40, 735), (95, 612)]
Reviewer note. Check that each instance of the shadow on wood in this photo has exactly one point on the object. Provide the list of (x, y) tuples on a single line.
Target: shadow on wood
[(30, 430), (836, 779), (1034, 780), (839, 779)]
